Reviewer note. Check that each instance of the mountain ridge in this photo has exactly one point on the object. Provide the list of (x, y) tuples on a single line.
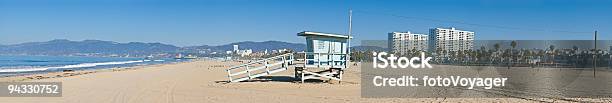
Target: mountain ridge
[(257, 46), (64, 46)]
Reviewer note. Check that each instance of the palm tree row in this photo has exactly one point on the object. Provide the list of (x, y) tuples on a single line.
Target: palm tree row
[(496, 56)]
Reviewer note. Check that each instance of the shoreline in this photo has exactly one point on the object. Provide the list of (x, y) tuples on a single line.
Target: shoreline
[(61, 74)]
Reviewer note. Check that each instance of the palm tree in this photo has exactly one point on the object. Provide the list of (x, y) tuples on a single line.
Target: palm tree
[(513, 44), (574, 54), (481, 53), (473, 55), (460, 55), (496, 46), (528, 56), (552, 49), (438, 55), (452, 56)]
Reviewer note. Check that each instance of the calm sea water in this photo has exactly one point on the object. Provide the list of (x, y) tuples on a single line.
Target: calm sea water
[(19, 65)]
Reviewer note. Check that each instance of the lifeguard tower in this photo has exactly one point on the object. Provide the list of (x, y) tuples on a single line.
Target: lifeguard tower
[(326, 56)]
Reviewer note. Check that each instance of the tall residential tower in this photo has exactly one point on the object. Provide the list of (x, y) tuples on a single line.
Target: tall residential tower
[(451, 39), (403, 42)]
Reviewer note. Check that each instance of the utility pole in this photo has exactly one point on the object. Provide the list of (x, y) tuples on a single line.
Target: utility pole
[(595, 54), (348, 57)]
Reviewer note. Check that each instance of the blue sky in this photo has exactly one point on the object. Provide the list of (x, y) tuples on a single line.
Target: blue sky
[(216, 22)]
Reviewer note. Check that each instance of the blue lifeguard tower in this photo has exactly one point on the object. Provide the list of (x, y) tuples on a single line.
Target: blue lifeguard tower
[(326, 56)]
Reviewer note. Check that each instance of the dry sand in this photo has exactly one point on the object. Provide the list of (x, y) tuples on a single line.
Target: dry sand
[(202, 82)]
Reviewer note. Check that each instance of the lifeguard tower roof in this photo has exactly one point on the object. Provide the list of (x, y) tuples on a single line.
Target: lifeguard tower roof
[(310, 33)]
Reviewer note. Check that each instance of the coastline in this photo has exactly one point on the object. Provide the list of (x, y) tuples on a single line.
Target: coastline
[(60, 74)]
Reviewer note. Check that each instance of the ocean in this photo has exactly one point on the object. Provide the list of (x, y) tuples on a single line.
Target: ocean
[(21, 65)]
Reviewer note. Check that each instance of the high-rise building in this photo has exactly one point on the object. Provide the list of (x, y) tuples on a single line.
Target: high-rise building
[(442, 39), (404, 42), (236, 48)]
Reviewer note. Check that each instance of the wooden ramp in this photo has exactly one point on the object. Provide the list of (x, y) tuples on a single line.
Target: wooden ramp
[(321, 66), (259, 68)]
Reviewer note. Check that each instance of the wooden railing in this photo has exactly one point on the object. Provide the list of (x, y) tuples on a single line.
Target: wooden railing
[(249, 70)]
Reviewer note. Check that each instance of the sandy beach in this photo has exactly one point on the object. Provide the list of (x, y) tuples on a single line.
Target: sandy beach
[(204, 82)]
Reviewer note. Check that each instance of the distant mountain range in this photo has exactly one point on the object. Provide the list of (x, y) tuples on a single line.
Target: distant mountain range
[(67, 47), (255, 46), (62, 46), (368, 48)]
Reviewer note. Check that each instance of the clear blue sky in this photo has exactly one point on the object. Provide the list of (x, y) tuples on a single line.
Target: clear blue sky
[(215, 22)]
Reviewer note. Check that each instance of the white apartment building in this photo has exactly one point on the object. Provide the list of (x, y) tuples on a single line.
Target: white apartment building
[(450, 39), (404, 42), (245, 52), (236, 48)]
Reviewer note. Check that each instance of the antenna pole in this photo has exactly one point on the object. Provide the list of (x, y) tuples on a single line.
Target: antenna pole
[(348, 58), (350, 22), (595, 54)]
